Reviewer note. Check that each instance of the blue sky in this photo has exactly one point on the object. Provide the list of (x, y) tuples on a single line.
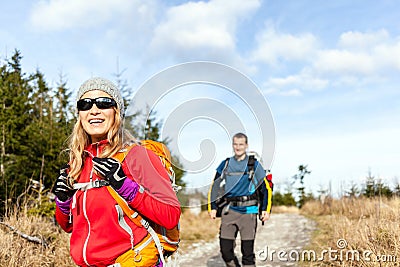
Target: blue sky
[(329, 70)]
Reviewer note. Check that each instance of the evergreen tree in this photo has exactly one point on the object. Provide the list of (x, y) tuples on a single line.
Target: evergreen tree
[(16, 109), (301, 189), (353, 192), (63, 109), (288, 199), (277, 198), (396, 191), (285, 199), (382, 189), (375, 187), (34, 129), (36, 121), (369, 190)]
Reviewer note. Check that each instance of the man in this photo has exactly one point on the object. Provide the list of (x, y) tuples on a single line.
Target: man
[(241, 187)]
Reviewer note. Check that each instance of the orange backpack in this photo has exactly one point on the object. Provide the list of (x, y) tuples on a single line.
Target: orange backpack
[(166, 240)]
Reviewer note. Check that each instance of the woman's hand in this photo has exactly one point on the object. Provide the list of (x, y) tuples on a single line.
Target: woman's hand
[(63, 188), (111, 170)]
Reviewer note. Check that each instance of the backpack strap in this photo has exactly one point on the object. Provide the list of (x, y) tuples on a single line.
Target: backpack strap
[(133, 215), (242, 200), (225, 169), (251, 166), (121, 154), (224, 173), (137, 219), (90, 185)]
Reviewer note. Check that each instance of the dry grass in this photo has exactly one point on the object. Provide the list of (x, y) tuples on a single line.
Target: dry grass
[(285, 209), (17, 251), (197, 227), (365, 224)]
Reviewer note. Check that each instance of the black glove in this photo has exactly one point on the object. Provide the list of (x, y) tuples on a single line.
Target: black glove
[(111, 170), (63, 188)]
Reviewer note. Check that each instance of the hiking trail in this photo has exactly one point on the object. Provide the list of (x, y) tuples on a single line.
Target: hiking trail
[(283, 232)]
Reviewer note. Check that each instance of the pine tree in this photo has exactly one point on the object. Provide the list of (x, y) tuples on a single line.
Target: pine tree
[(15, 117), (369, 190), (353, 192), (301, 189), (34, 128)]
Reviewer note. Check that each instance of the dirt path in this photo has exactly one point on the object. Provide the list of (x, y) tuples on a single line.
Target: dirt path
[(286, 232)]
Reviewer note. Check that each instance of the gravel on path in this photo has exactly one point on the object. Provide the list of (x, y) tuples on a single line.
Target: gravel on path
[(279, 240)]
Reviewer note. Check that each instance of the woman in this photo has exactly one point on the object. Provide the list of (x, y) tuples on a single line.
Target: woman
[(102, 235)]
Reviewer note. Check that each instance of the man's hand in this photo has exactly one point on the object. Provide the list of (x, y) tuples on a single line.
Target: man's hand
[(111, 170), (63, 188), (213, 214), (264, 216)]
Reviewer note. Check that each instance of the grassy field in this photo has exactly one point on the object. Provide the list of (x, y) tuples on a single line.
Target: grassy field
[(357, 232), (17, 251)]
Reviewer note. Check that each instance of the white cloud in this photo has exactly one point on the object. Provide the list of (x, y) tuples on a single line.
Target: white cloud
[(293, 85), (344, 62), (55, 15), (357, 53), (358, 58), (292, 92), (360, 54), (389, 55), (273, 46), (360, 40), (201, 29)]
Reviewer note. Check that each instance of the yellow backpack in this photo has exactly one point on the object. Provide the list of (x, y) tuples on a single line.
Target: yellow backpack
[(166, 240)]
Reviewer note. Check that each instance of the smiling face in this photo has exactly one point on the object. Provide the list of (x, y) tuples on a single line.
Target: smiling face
[(97, 122), (239, 147)]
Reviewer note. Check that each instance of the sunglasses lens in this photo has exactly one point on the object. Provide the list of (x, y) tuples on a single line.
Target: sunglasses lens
[(105, 102), (84, 104)]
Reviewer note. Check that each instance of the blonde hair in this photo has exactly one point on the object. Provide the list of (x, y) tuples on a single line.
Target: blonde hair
[(80, 139)]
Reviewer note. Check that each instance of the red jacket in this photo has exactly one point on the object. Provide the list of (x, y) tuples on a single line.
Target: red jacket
[(99, 234)]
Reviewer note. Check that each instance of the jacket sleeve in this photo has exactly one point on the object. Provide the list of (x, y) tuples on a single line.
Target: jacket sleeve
[(63, 220), (156, 199), (161, 213), (266, 192)]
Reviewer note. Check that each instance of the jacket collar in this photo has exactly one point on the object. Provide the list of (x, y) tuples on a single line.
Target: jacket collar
[(97, 147)]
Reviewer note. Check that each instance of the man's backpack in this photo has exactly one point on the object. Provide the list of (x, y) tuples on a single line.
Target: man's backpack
[(223, 203), (167, 240)]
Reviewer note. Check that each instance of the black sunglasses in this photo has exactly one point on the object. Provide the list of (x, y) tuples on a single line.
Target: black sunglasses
[(101, 102)]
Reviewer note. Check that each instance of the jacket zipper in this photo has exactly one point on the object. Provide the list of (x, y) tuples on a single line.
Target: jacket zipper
[(84, 249), (88, 235)]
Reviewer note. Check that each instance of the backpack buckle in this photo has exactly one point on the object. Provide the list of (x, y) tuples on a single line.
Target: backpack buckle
[(99, 183)]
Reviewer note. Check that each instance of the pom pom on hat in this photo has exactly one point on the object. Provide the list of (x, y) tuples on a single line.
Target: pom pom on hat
[(106, 86)]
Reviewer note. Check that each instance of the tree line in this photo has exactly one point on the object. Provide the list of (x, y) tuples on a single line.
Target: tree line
[(36, 120), (295, 194)]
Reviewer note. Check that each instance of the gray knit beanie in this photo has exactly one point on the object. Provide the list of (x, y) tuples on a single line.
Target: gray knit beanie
[(104, 85)]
